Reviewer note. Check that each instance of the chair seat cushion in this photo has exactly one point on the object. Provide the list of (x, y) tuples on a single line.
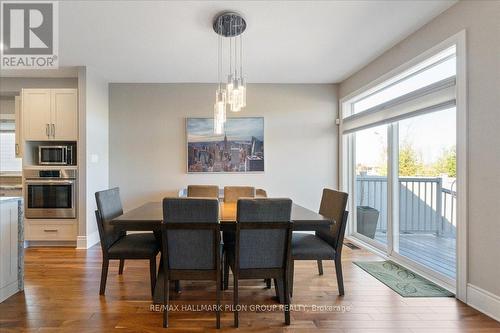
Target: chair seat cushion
[(310, 247), (142, 245)]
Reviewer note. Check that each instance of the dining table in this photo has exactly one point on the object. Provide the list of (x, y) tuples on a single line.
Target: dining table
[(149, 217)]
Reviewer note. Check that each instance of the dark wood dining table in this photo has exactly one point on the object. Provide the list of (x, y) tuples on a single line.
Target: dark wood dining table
[(149, 217)]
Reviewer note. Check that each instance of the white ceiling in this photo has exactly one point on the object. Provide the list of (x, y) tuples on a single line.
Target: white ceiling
[(285, 42)]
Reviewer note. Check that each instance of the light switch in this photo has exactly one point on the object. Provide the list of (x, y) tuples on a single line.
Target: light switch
[(94, 158)]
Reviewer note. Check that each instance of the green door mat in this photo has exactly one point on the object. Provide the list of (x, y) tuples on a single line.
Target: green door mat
[(403, 281)]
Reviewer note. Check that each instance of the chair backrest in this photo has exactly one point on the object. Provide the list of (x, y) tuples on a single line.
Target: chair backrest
[(333, 205), (203, 191), (263, 233), (191, 233), (260, 193), (109, 206), (233, 193)]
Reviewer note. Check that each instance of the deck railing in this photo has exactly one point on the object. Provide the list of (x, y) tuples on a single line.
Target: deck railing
[(425, 205)]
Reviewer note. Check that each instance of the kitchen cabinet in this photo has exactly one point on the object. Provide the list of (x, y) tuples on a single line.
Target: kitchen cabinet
[(9, 247), (19, 132), (50, 114)]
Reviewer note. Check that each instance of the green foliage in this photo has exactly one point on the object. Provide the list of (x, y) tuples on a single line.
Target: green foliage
[(447, 163)]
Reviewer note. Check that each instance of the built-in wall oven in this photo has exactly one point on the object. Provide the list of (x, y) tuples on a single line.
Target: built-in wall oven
[(50, 193)]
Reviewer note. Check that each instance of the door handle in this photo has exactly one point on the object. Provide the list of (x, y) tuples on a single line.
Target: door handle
[(47, 129), (53, 131), (17, 149)]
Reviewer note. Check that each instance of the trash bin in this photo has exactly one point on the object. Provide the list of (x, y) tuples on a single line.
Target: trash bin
[(367, 219)]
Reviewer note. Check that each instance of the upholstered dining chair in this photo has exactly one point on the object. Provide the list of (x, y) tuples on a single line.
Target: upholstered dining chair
[(203, 191), (262, 245), (233, 193), (116, 244), (191, 244), (325, 244), (260, 193)]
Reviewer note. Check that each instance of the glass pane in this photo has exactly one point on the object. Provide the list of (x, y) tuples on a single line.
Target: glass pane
[(427, 185), (440, 67), (371, 183), (8, 159), (49, 196)]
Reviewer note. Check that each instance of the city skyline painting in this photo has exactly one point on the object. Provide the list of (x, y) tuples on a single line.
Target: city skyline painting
[(239, 149)]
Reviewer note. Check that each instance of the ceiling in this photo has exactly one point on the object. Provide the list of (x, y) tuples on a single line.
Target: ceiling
[(285, 41)]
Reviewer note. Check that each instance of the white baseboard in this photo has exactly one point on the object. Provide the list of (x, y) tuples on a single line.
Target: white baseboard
[(85, 242), (32, 243), (483, 301)]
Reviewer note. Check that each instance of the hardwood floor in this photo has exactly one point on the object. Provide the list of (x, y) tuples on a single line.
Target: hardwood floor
[(62, 295)]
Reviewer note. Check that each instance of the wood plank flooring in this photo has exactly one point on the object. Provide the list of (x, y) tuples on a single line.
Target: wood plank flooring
[(62, 295)]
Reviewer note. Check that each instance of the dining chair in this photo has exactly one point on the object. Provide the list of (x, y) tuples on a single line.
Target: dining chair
[(233, 193), (116, 244), (262, 245), (191, 244), (203, 191), (260, 193), (325, 244)]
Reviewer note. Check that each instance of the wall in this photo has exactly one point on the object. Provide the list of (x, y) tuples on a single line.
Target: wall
[(481, 21), (7, 105), (148, 139), (93, 151)]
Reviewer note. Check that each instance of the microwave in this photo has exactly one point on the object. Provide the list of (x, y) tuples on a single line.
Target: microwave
[(57, 155)]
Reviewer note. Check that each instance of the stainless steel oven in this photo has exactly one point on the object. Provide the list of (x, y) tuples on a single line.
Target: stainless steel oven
[(50, 194)]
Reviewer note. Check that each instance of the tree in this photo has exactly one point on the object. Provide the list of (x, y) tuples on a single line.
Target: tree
[(447, 163), (409, 162)]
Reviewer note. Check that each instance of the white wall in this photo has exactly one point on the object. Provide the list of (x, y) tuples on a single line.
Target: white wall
[(7, 105), (481, 21), (93, 148), (148, 139)]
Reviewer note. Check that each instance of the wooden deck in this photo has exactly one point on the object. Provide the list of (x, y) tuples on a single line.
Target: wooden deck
[(437, 253)]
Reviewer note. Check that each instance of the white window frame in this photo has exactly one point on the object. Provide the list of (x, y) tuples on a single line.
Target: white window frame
[(460, 283)]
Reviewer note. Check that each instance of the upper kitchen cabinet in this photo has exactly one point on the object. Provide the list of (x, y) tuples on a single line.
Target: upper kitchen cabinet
[(50, 114)]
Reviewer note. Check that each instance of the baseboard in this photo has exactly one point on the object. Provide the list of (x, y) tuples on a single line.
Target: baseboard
[(49, 244), (484, 301), (85, 242)]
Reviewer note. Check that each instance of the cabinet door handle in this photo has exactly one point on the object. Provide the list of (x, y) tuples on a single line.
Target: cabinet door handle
[(17, 149), (47, 129), (53, 130), (50, 230)]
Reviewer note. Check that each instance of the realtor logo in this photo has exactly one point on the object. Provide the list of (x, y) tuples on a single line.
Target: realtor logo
[(29, 34)]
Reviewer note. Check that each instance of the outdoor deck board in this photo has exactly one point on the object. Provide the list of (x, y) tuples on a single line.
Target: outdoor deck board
[(437, 253)]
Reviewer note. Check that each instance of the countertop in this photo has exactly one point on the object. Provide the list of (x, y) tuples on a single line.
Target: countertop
[(10, 198)]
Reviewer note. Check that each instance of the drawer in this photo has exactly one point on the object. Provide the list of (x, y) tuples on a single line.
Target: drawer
[(50, 231)]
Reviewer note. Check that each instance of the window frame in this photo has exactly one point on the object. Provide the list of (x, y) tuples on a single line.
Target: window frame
[(345, 156)]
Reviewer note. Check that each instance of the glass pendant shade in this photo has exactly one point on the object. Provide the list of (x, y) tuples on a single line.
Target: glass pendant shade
[(243, 92), (219, 111), (230, 88)]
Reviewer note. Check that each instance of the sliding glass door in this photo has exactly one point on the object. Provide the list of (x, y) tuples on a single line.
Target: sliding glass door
[(399, 165), (427, 190)]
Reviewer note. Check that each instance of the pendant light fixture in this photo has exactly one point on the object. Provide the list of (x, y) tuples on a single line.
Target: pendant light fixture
[(229, 26)]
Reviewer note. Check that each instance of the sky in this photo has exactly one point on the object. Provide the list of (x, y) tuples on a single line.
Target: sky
[(201, 129), (429, 134)]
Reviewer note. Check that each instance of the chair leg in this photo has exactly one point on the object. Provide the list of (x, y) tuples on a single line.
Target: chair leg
[(290, 277), (120, 269), (268, 283), (152, 274), (226, 273), (104, 276), (222, 270), (280, 290), (286, 287), (235, 301), (320, 267), (165, 301), (340, 279), (178, 287)]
